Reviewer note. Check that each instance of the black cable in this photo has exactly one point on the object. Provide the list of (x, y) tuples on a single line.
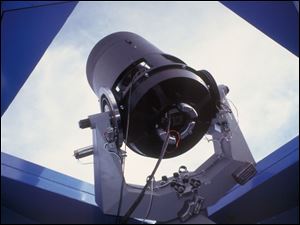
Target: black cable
[(150, 203), (141, 195), (123, 161)]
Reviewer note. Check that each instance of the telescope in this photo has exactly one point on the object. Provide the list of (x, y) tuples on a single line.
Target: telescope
[(160, 108)]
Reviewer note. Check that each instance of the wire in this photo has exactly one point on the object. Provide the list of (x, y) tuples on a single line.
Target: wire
[(236, 109), (128, 113), (236, 118), (125, 150), (213, 140), (227, 110), (150, 202), (178, 137), (142, 193), (228, 135)]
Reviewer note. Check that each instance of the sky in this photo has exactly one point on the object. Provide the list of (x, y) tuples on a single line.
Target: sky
[(41, 124)]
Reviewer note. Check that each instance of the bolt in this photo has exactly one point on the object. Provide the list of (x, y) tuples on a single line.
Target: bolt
[(180, 189), (176, 175), (173, 183), (164, 178)]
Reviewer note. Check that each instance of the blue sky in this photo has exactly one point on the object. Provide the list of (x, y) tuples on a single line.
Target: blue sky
[(41, 123)]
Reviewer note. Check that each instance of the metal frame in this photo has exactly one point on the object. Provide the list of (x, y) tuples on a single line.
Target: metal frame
[(58, 198), (185, 195)]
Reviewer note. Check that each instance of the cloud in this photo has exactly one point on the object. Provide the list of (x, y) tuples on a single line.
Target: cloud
[(41, 123)]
